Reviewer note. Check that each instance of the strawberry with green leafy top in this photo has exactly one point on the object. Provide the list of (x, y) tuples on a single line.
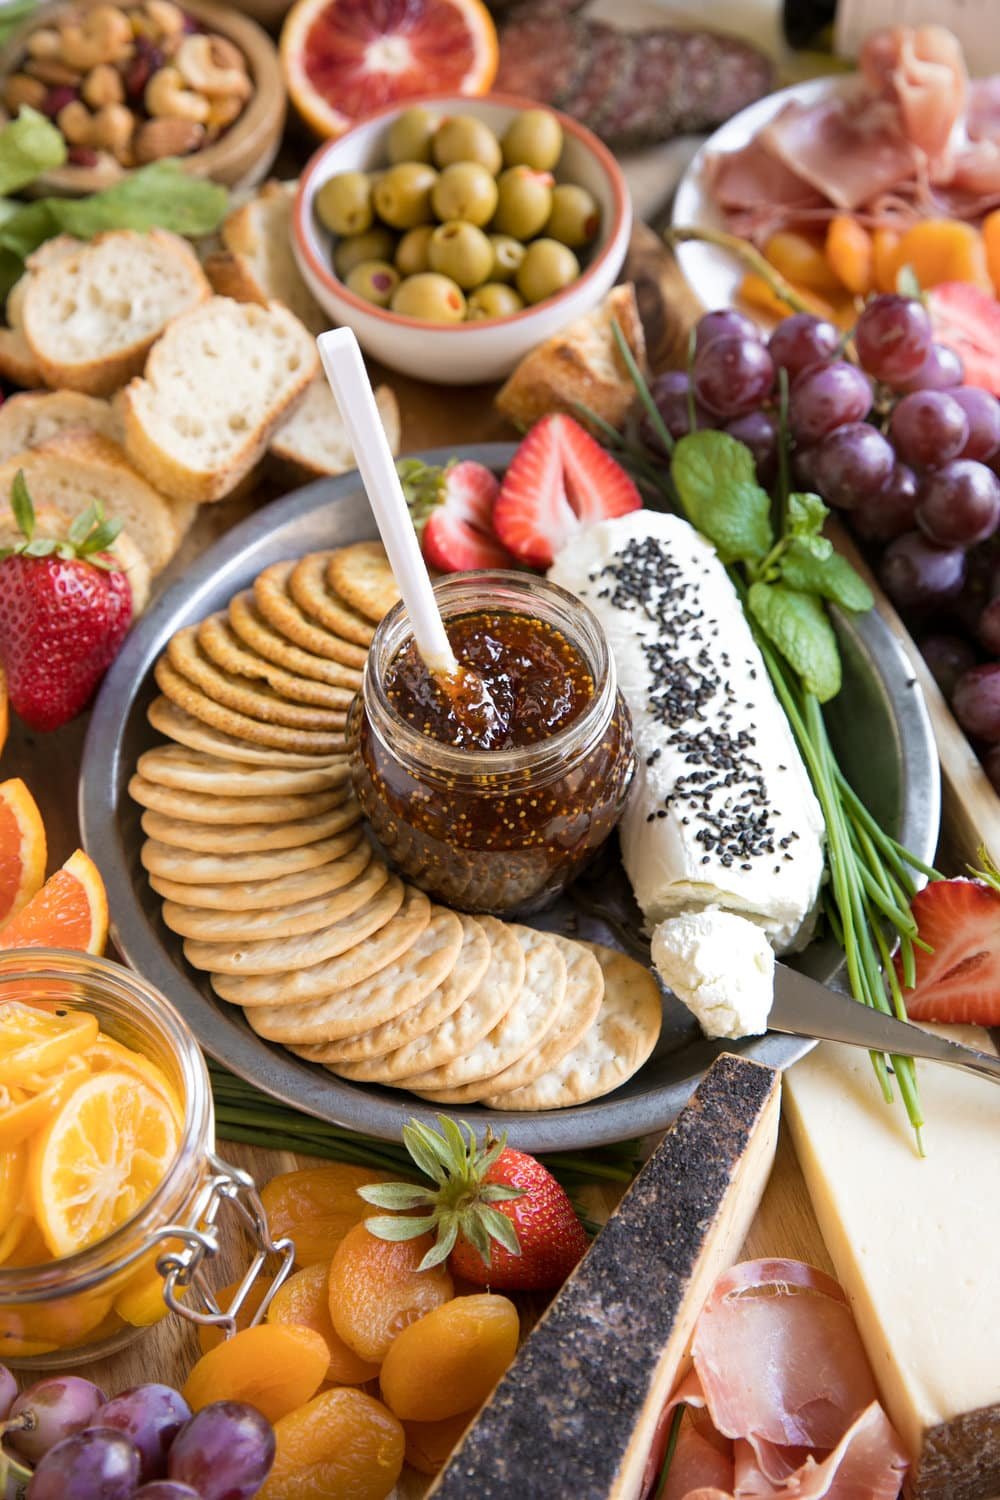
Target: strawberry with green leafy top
[(500, 1218), (452, 509)]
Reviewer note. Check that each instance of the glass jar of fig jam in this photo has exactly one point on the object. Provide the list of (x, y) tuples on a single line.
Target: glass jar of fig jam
[(496, 819)]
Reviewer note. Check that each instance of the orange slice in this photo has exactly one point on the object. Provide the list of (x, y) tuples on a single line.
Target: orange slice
[(22, 840), (70, 911), (26, 1108), (99, 1159), (35, 1042), (107, 1053), (345, 59)]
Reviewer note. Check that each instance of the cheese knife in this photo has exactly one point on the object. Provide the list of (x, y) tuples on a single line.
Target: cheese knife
[(803, 1007)]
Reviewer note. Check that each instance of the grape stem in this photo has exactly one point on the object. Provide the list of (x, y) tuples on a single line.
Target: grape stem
[(748, 254)]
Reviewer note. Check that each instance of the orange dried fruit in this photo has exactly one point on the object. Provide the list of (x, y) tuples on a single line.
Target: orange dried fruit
[(940, 250), (22, 838), (70, 911), (451, 1359), (275, 1367), (317, 1206), (885, 259), (304, 1299), (755, 290), (429, 1445), (850, 253), (990, 230), (376, 1290), (210, 1337), (802, 262), (343, 1445)]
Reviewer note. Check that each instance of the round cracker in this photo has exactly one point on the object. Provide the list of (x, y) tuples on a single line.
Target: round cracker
[(352, 967), (470, 966), (177, 724), (253, 630), (282, 890), (361, 575), (249, 838), (400, 985), (493, 996), (185, 770), (188, 867), (222, 646), (231, 691), (309, 589), (270, 592), (204, 807), (277, 736), (613, 1048), (283, 955), (293, 920)]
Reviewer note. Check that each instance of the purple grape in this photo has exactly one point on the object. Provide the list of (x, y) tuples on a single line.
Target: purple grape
[(94, 1465), (826, 396), (732, 375), (928, 428), (801, 341), (670, 392), (225, 1452), (852, 463), (976, 702), (991, 765), (988, 629), (947, 657), (726, 322), (759, 431), (50, 1411), (166, 1489), (8, 1391), (915, 572), (982, 412), (893, 337), (804, 467), (959, 503), (940, 371), (892, 511), (151, 1416)]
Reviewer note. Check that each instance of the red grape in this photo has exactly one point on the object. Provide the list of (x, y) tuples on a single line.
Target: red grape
[(801, 341), (947, 657), (989, 627), (891, 511), (991, 765), (982, 412), (826, 396), (759, 431), (941, 370), (959, 503), (225, 1452), (928, 428), (915, 572), (726, 322), (976, 702), (732, 375), (98, 1464), (670, 392), (51, 1411), (166, 1489), (852, 463), (804, 467), (893, 337), (151, 1416)]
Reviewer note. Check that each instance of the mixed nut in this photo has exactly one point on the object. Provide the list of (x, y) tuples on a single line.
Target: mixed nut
[(131, 82)]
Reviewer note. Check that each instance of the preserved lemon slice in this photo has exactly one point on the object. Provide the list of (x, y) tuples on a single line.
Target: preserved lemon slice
[(107, 1053), (26, 1107), (35, 1041)]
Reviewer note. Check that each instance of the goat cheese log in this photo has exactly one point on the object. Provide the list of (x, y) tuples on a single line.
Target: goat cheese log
[(722, 837)]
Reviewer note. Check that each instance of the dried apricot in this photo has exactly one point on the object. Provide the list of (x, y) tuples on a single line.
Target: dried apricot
[(801, 261), (275, 1367), (429, 1445), (849, 251), (343, 1445), (304, 1299), (991, 244), (885, 259), (376, 1290), (208, 1336), (940, 250), (317, 1206), (451, 1359), (755, 290)]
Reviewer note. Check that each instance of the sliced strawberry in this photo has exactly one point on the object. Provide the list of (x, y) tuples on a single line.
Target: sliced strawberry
[(968, 321), (960, 980), (454, 506), (559, 479)]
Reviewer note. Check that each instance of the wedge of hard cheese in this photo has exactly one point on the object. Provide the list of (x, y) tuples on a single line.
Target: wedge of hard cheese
[(916, 1246), (576, 1412)]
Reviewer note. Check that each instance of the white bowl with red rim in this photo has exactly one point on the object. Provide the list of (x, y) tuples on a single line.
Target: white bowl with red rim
[(487, 349)]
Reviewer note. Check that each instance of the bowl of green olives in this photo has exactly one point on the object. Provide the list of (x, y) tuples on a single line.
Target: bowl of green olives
[(456, 234)]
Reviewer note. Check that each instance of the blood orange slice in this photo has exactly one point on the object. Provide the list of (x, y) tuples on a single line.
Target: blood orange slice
[(70, 911), (22, 848), (344, 59)]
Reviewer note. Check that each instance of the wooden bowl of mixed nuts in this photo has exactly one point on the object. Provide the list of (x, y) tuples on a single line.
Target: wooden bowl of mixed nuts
[(134, 81)]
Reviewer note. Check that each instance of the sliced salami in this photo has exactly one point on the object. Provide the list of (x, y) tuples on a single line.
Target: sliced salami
[(544, 52), (606, 75)]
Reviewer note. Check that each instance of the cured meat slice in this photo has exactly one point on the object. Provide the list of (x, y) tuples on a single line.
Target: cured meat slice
[(609, 73), (846, 148), (753, 177), (544, 53), (921, 70), (982, 119)]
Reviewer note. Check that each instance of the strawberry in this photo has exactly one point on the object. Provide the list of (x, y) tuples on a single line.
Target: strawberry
[(501, 1219), (968, 321), (960, 980), (453, 507), (65, 607), (559, 479)]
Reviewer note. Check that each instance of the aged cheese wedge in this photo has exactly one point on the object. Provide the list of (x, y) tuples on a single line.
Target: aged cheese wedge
[(576, 1412), (914, 1244)]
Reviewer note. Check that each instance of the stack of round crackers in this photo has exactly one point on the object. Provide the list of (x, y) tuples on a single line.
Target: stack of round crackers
[(257, 846)]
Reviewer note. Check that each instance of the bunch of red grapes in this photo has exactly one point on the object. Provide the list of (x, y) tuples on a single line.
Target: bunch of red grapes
[(898, 443)]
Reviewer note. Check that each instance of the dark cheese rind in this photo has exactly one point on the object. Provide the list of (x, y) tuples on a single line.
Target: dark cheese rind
[(562, 1420)]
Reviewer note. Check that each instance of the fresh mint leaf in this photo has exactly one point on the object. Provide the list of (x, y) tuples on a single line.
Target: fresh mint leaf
[(29, 146), (806, 513), (833, 577), (715, 478), (798, 626)]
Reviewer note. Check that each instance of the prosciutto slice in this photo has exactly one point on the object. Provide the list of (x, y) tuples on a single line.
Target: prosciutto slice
[(848, 148), (922, 72)]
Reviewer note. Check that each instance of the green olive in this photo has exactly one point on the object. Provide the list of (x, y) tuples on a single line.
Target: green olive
[(409, 137), (462, 252), (508, 254), (524, 202), (430, 297), (465, 190), (533, 139), (375, 280), (575, 216), (464, 138), (411, 252), (402, 197), (344, 203), (546, 268), (374, 244), (494, 300)]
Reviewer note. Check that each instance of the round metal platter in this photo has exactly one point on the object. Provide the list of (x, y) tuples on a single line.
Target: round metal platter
[(879, 725)]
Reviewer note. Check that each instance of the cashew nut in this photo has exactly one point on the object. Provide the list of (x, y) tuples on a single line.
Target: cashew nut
[(165, 16), (103, 85), (21, 89), (158, 138), (166, 95), (45, 42), (213, 66), (104, 35), (75, 122), (110, 129), (222, 114)]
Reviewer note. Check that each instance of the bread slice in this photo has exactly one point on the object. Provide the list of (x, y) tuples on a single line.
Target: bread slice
[(216, 386), (257, 263), (75, 468), (50, 522), (17, 363), (313, 442), (32, 417), (91, 318), (582, 363)]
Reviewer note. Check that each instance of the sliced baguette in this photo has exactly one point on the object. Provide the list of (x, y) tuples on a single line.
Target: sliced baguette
[(313, 442), (91, 318), (257, 263), (33, 417), (17, 363), (582, 363), (217, 384), (50, 522)]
